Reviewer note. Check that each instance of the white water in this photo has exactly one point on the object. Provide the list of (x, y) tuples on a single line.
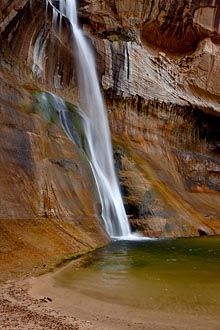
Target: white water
[(96, 127)]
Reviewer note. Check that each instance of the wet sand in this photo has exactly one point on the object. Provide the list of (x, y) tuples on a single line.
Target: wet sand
[(18, 310), (39, 303), (107, 315), (24, 307)]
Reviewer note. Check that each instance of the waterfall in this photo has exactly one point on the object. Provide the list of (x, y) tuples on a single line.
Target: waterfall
[(95, 124)]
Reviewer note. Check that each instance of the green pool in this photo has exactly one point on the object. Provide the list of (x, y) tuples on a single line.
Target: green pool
[(180, 275)]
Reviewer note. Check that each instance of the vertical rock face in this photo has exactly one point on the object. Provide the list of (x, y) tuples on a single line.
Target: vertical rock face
[(158, 65), (162, 91), (47, 210), (169, 153)]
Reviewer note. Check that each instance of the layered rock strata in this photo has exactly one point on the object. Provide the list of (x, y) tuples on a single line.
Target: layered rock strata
[(47, 210), (158, 65), (161, 63)]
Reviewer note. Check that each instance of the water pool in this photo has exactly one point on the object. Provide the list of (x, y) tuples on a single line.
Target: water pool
[(178, 275)]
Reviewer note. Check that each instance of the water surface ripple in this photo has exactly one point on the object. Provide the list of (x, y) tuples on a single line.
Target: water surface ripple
[(180, 275)]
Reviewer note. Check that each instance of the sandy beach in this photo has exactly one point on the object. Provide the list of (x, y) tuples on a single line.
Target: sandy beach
[(18, 310), (39, 303)]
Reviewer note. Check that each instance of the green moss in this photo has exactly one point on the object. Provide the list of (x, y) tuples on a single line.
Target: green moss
[(71, 107), (124, 37), (117, 37), (63, 261), (66, 259), (113, 37), (31, 89), (72, 257)]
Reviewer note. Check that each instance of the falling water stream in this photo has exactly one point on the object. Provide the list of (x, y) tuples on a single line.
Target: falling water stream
[(171, 277), (94, 121)]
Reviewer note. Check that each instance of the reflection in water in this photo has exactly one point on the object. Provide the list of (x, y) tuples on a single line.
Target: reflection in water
[(171, 275)]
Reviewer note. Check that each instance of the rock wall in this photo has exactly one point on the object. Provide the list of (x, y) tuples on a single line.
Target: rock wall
[(47, 211), (160, 80), (158, 64)]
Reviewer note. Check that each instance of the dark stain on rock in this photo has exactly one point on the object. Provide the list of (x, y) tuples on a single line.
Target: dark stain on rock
[(16, 150), (153, 205), (202, 232), (208, 126), (13, 25), (173, 27), (118, 65), (217, 15), (67, 164)]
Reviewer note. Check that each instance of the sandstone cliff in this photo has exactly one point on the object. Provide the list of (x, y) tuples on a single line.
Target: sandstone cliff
[(160, 79), (158, 65), (47, 211)]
